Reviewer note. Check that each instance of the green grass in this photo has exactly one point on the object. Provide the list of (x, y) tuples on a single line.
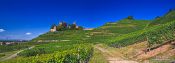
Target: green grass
[(8, 48), (7, 54), (168, 17), (161, 61), (98, 57), (78, 53), (48, 48), (155, 35), (124, 26), (2, 54)]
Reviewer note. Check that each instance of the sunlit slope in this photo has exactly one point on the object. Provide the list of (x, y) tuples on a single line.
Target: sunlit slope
[(124, 26), (157, 32), (155, 36), (69, 35), (168, 17), (101, 34)]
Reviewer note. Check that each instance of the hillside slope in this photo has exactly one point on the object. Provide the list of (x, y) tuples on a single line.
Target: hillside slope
[(124, 26), (99, 35), (168, 17), (119, 41)]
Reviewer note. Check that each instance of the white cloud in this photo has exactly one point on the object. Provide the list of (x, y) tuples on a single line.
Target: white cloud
[(28, 33), (2, 30)]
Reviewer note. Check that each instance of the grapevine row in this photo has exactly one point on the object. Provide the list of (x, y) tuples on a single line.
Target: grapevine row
[(79, 54), (154, 35)]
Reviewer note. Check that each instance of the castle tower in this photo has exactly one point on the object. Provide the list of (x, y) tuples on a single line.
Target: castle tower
[(77, 27), (60, 23)]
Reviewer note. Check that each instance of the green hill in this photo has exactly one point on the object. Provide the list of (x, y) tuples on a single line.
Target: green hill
[(168, 17), (124, 26), (107, 31), (77, 46)]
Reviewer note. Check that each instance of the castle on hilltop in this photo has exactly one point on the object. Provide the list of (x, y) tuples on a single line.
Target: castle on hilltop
[(62, 26)]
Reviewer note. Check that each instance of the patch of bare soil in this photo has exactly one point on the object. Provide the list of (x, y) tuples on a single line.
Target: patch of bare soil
[(165, 56), (154, 52)]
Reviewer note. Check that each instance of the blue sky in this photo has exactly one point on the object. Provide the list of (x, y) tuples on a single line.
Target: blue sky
[(26, 19)]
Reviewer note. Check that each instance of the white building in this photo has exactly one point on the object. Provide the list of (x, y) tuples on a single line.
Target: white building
[(53, 29)]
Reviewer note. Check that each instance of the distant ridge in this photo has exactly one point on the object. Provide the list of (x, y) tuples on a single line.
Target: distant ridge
[(168, 17)]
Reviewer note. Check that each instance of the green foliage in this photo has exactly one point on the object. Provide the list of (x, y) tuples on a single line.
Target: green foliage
[(72, 35), (168, 17), (72, 45), (73, 27), (61, 28), (161, 34), (2, 54), (48, 48), (127, 39), (79, 54), (100, 35), (124, 26), (8, 48), (130, 17), (64, 26), (154, 35)]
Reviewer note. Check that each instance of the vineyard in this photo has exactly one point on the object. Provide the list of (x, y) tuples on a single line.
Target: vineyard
[(65, 44), (48, 48), (62, 35), (155, 36), (79, 46), (9, 48), (78, 53)]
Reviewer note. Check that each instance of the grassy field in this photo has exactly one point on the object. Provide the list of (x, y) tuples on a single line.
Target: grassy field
[(98, 57)]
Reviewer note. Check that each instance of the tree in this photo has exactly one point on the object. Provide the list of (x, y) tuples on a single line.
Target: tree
[(62, 27), (157, 17), (64, 24), (80, 28), (130, 17), (59, 28), (73, 27)]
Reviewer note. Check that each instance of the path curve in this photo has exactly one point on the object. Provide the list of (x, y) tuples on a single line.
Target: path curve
[(111, 58), (15, 54)]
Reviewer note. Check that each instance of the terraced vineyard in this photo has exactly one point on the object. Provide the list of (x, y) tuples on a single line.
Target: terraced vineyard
[(121, 39), (155, 36), (74, 54)]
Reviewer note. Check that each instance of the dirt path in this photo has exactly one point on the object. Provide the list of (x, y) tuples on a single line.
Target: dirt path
[(154, 52), (14, 55), (112, 57)]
